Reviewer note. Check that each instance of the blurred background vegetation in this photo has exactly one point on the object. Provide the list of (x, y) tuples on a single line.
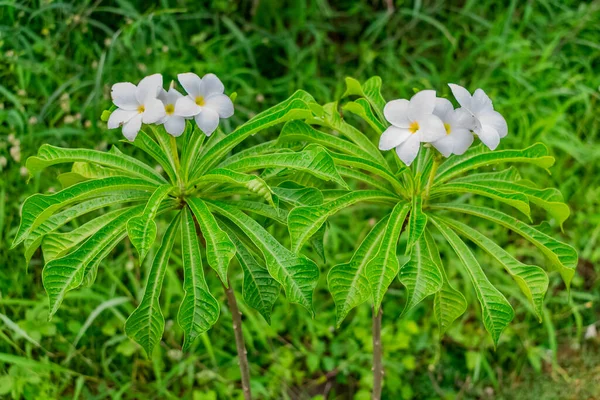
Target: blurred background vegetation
[(538, 60)]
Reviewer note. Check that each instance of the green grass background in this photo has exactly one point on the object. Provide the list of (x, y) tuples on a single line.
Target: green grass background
[(538, 60)]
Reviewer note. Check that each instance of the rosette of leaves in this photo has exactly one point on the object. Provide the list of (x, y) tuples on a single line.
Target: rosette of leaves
[(426, 203), (211, 199)]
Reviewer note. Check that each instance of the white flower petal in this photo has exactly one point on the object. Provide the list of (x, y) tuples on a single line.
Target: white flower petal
[(396, 112), (463, 139), (464, 119), (207, 121), (408, 150), (443, 109), (186, 107), (220, 103), (175, 125), (489, 136), (191, 83), (444, 145), (496, 120), (481, 102), (123, 95), (149, 87), (431, 128), (393, 137), (154, 111), (422, 103), (211, 85), (162, 96), (172, 96), (119, 117), (132, 127), (461, 95)]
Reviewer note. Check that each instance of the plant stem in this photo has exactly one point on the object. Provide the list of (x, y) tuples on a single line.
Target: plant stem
[(175, 153), (434, 167), (239, 341), (377, 355)]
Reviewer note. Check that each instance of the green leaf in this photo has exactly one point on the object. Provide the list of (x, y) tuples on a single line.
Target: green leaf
[(383, 267), (276, 214), (448, 303), (352, 173), (191, 149), (314, 160), (199, 310), (301, 131), (303, 222), (516, 200), (38, 207), (146, 324), (251, 182), (370, 90), (532, 280), (63, 217), (362, 108), (219, 247), (420, 275), (562, 256), (496, 310), (417, 222), (295, 107), (259, 289), (57, 244), (297, 274), (142, 228), (299, 196), (348, 282), (66, 273), (145, 143), (50, 155), (479, 157)]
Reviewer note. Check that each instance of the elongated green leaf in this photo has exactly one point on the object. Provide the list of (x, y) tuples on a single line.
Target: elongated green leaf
[(562, 256), (66, 273), (314, 160), (82, 171), (145, 143), (251, 182), (56, 244), (497, 311), (532, 280), (417, 222), (299, 196), (479, 157), (509, 174), (421, 274), (383, 267), (192, 144), (303, 222), (348, 282), (448, 303), (259, 289), (378, 169), (301, 131), (219, 247), (295, 107), (50, 155), (297, 274), (276, 214), (370, 90), (63, 217), (362, 108), (39, 207), (199, 310), (142, 228), (516, 200), (371, 180), (146, 324)]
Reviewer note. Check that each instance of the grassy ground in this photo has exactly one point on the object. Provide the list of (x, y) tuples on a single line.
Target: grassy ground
[(538, 60)]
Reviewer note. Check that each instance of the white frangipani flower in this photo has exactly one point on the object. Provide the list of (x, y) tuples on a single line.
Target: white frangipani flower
[(205, 101), (136, 104), (488, 124), (413, 123), (174, 122), (458, 124)]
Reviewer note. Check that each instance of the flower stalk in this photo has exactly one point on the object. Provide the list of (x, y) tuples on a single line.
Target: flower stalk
[(377, 355)]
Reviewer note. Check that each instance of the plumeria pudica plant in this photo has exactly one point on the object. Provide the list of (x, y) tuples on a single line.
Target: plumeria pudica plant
[(426, 192), (210, 197)]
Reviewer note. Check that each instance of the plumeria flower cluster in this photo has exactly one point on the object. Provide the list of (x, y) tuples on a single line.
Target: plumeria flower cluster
[(426, 118), (150, 103)]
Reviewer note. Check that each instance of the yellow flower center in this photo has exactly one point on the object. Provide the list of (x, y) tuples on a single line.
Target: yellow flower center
[(141, 109), (200, 100), (447, 126), (413, 127), (169, 109)]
